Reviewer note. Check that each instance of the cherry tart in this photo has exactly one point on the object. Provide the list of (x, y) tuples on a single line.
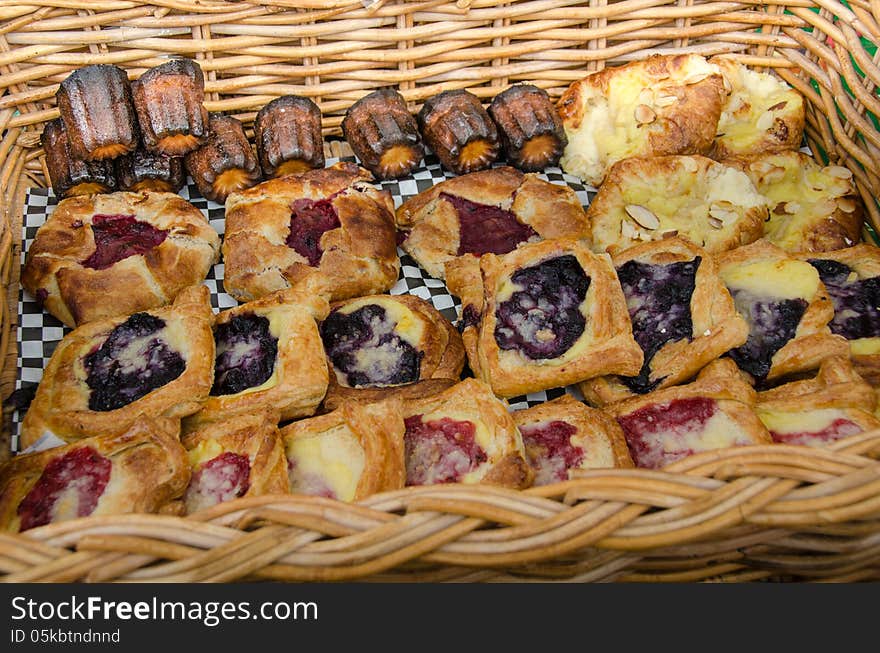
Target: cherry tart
[(682, 317), (564, 435), (665, 104), (137, 469), (713, 412), (852, 278), (463, 435), (546, 315), (238, 457), (103, 375), (712, 205), (268, 356), (327, 231), (491, 211), (834, 404), (383, 344), (348, 454), (119, 253), (786, 307)]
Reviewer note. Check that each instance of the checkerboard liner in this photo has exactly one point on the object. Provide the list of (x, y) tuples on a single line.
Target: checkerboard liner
[(39, 333)]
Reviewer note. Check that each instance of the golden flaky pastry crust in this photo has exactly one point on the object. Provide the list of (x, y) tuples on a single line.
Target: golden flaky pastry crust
[(349, 454), (61, 404), (598, 436), (716, 326), (761, 113), (762, 272), (835, 403), (434, 341), (665, 104), (644, 199), (500, 458), (255, 437), (359, 257), (606, 345), (299, 376), (863, 261), (148, 468), (714, 411), (74, 293), (433, 229), (812, 208)]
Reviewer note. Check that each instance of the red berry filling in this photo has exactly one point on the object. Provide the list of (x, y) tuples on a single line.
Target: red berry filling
[(550, 451), (649, 429), (83, 472), (309, 219), (839, 428), (485, 229), (119, 236), (309, 483), (223, 478), (440, 451)]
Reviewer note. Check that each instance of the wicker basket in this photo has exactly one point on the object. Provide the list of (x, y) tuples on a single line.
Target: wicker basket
[(770, 512)]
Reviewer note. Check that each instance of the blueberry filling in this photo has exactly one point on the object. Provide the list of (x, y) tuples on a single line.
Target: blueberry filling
[(246, 354), (772, 323), (544, 319), (659, 302), (119, 236), (856, 303), (364, 347), (309, 219), (130, 363), (485, 229)]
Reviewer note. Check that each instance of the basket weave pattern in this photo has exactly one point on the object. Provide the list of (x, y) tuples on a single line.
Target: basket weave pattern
[(769, 512)]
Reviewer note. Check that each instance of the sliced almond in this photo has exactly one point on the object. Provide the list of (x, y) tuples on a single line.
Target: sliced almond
[(761, 167), (846, 204), (838, 172), (792, 207), (724, 205), (826, 206), (644, 114), (779, 209), (696, 79), (778, 106), (669, 234), (666, 100), (646, 96), (765, 122), (726, 83), (642, 216), (715, 223)]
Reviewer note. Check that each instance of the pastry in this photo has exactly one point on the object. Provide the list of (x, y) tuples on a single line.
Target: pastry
[(787, 310), (835, 404), (103, 375), (268, 356), (327, 230), (713, 412), (665, 104), (288, 135), (682, 317), (812, 209), (380, 343), (546, 315), (463, 435), (69, 175), (143, 170), (225, 162), (169, 100), (349, 454), (643, 199), (852, 278), (761, 114), (118, 253), (241, 456), (490, 211), (96, 107), (132, 470), (532, 136), (458, 130), (383, 134), (564, 434)]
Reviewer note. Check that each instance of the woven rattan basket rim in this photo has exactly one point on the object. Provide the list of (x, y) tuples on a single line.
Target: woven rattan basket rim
[(750, 513)]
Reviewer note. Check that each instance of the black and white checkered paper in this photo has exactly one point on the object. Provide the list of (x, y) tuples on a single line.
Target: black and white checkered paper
[(39, 332)]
